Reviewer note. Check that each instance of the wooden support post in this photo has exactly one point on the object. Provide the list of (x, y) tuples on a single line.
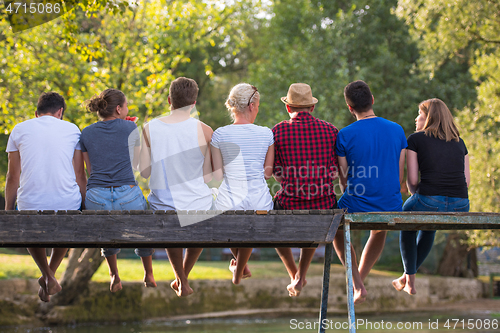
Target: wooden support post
[(326, 286), (492, 281), (348, 276)]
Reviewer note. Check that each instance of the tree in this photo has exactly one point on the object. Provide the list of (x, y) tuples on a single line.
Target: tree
[(138, 49), (331, 43), (468, 30)]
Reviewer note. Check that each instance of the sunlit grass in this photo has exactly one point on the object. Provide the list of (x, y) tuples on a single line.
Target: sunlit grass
[(23, 266)]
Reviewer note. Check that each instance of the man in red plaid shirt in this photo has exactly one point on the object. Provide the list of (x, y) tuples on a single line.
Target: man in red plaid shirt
[(306, 165)]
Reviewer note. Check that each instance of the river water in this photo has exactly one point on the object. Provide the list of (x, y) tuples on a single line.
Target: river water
[(473, 322)]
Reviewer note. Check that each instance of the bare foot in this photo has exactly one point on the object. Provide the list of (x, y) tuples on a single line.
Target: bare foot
[(410, 290), (246, 273), (183, 291), (246, 270), (399, 283), (149, 281), (232, 265), (52, 286), (360, 295), (410, 284), (116, 284), (232, 268), (295, 287), (42, 292)]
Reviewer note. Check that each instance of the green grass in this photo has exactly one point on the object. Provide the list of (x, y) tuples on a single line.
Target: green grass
[(23, 266)]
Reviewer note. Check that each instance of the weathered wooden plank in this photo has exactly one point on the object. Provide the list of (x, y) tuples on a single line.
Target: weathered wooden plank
[(334, 226), (423, 221), (130, 229), (241, 228)]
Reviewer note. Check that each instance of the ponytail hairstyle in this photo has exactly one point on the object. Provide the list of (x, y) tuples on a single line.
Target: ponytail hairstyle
[(240, 97), (439, 122), (106, 102)]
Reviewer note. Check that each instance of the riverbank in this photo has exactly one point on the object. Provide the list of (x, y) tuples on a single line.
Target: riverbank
[(19, 303)]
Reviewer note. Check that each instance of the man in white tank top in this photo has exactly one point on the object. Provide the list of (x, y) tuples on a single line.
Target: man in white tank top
[(175, 155)]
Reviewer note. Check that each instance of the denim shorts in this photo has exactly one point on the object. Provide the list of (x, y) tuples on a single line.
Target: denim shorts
[(435, 203), (117, 198)]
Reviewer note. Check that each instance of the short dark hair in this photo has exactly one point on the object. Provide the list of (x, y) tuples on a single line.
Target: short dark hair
[(357, 94), (183, 92), (50, 102)]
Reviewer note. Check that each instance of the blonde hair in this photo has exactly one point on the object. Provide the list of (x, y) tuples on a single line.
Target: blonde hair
[(240, 97), (439, 122)]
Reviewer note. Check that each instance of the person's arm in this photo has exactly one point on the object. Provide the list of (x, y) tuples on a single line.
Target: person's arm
[(81, 177), (269, 162), (467, 170), (412, 169), (134, 141), (277, 167), (218, 164), (402, 167), (12, 180), (344, 169), (86, 159), (137, 157), (145, 154), (207, 164)]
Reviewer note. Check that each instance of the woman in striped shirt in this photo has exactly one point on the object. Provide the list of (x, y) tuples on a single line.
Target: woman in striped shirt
[(243, 157)]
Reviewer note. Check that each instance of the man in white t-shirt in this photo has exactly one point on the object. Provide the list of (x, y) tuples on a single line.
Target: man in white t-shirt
[(45, 172)]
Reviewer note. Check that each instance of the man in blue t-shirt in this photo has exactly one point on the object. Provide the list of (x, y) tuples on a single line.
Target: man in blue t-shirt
[(371, 154)]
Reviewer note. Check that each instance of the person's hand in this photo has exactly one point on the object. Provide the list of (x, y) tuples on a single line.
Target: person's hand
[(133, 119)]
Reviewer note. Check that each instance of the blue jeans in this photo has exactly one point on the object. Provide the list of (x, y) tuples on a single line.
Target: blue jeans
[(117, 198), (415, 249)]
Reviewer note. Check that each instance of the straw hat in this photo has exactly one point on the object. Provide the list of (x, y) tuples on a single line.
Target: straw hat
[(299, 95)]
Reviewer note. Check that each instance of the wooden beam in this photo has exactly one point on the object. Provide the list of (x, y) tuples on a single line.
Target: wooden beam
[(163, 228), (423, 221)]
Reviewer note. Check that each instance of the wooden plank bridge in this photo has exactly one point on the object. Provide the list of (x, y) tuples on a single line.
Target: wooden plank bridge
[(257, 229)]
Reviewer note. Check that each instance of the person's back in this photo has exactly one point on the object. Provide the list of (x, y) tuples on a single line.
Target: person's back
[(111, 148), (371, 155), (244, 148), (110, 145), (440, 156), (176, 154), (306, 165), (46, 146), (45, 172), (440, 163), (242, 157), (177, 180), (372, 148)]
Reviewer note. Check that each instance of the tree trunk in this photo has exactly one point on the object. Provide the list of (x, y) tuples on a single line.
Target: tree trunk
[(458, 260)]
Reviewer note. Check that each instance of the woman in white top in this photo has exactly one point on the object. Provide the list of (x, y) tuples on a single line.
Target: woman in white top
[(243, 157)]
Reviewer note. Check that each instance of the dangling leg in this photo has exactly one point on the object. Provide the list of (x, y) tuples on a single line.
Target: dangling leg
[(306, 256), (358, 286), (243, 254)]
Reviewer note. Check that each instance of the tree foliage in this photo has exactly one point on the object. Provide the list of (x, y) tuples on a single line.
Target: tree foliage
[(138, 50), (328, 44), (468, 30)]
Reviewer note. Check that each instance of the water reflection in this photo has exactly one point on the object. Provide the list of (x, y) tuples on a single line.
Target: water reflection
[(478, 322)]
